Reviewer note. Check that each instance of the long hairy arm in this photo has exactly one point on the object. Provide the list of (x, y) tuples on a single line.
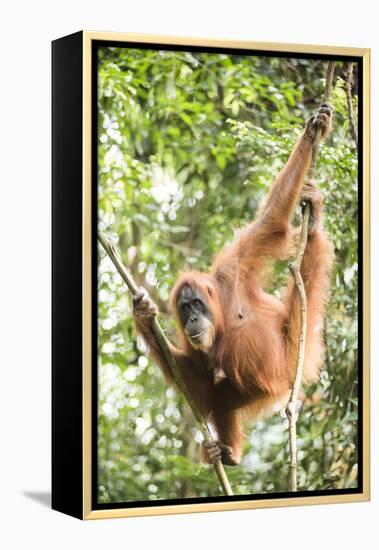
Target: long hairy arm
[(270, 235)]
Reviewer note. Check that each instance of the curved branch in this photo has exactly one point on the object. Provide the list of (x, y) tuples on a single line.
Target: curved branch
[(165, 349)]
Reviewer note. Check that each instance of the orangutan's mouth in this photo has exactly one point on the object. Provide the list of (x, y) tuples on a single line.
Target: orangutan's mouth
[(196, 336)]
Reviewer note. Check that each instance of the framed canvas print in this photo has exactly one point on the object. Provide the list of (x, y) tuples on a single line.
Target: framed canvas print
[(210, 275)]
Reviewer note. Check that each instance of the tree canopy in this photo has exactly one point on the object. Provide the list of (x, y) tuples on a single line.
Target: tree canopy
[(189, 143)]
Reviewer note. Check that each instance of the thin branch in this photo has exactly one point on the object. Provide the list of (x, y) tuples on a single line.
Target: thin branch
[(295, 267), (350, 107), (316, 143), (139, 278), (166, 352), (291, 405)]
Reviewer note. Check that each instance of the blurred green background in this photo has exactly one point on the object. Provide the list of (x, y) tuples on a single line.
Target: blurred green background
[(189, 144)]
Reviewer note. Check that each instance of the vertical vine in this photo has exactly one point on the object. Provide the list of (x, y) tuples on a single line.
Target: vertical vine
[(295, 269)]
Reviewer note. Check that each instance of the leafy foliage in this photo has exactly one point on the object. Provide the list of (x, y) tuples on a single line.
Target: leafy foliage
[(189, 144)]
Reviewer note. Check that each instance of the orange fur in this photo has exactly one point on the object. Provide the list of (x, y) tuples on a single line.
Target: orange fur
[(255, 335)]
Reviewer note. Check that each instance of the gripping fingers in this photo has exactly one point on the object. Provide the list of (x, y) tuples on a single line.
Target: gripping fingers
[(212, 451), (216, 452), (143, 306), (139, 296), (310, 193), (227, 455), (319, 121), (312, 196)]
